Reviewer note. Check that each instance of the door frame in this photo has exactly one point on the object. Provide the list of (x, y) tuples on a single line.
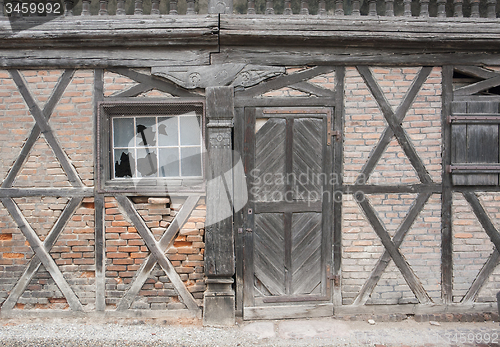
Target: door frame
[(288, 306), (242, 218)]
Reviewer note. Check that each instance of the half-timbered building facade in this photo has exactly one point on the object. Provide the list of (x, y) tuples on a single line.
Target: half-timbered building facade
[(262, 160)]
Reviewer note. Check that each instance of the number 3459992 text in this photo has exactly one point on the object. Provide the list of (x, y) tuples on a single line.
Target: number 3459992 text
[(33, 8)]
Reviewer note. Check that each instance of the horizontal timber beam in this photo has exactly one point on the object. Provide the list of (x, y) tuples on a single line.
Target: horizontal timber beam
[(83, 32), (381, 56), (380, 189), (61, 192), (400, 32), (416, 309)]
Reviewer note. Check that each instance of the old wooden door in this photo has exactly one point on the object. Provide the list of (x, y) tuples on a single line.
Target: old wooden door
[(287, 250)]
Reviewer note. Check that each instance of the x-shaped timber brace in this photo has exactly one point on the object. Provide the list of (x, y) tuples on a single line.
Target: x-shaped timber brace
[(42, 249), (394, 120), (157, 250)]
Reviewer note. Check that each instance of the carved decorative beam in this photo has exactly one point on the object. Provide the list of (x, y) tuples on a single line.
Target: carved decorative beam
[(236, 75)]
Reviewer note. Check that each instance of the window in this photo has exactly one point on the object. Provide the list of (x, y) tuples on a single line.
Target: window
[(144, 145), (475, 142)]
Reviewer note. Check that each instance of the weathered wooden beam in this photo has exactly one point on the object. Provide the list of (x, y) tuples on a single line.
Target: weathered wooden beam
[(385, 189), (386, 137), (283, 81), (164, 243), (59, 192), (42, 253), (482, 277), (62, 83), (382, 55), (156, 251), (100, 253), (154, 82), (395, 123), (283, 101), (112, 32), (219, 247), (478, 86), (338, 163), (447, 195), (483, 218), (303, 206), (408, 274), (313, 89), (35, 262), (240, 192), (398, 238), (350, 31), (249, 215), (133, 91), (476, 71), (92, 57), (46, 130)]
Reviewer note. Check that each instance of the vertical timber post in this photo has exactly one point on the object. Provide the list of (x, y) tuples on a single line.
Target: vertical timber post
[(447, 196), (100, 239), (219, 299), (338, 169)]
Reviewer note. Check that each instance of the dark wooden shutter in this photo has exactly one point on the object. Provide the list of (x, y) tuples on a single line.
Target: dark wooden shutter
[(475, 142)]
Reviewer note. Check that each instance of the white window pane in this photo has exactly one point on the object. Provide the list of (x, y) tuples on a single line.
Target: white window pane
[(169, 162), (190, 130), (124, 163), (146, 162), (191, 161), (168, 131), (146, 131), (123, 132)]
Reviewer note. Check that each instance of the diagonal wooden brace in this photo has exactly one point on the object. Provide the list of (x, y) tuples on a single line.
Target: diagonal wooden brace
[(386, 137), (481, 278), (46, 130), (35, 131), (385, 258), (35, 262), (42, 253), (410, 277), (284, 81), (154, 82), (482, 216), (156, 251), (164, 243), (395, 124)]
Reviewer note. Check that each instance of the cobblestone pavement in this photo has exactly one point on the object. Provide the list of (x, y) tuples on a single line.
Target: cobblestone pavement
[(311, 332)]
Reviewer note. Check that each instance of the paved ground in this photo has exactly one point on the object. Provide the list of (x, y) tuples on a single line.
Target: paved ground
[(312, 332)]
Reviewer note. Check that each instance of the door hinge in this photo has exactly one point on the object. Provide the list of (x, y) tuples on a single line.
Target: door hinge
[(335, 133), (335, 278), (331, 132)]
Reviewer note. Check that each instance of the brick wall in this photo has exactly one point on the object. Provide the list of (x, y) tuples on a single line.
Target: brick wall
[(126, 251)]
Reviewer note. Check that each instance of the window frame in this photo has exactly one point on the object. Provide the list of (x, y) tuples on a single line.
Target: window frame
[(109, 109)]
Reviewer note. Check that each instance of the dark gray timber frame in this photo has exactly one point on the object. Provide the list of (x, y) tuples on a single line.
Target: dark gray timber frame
[(327, 44)]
